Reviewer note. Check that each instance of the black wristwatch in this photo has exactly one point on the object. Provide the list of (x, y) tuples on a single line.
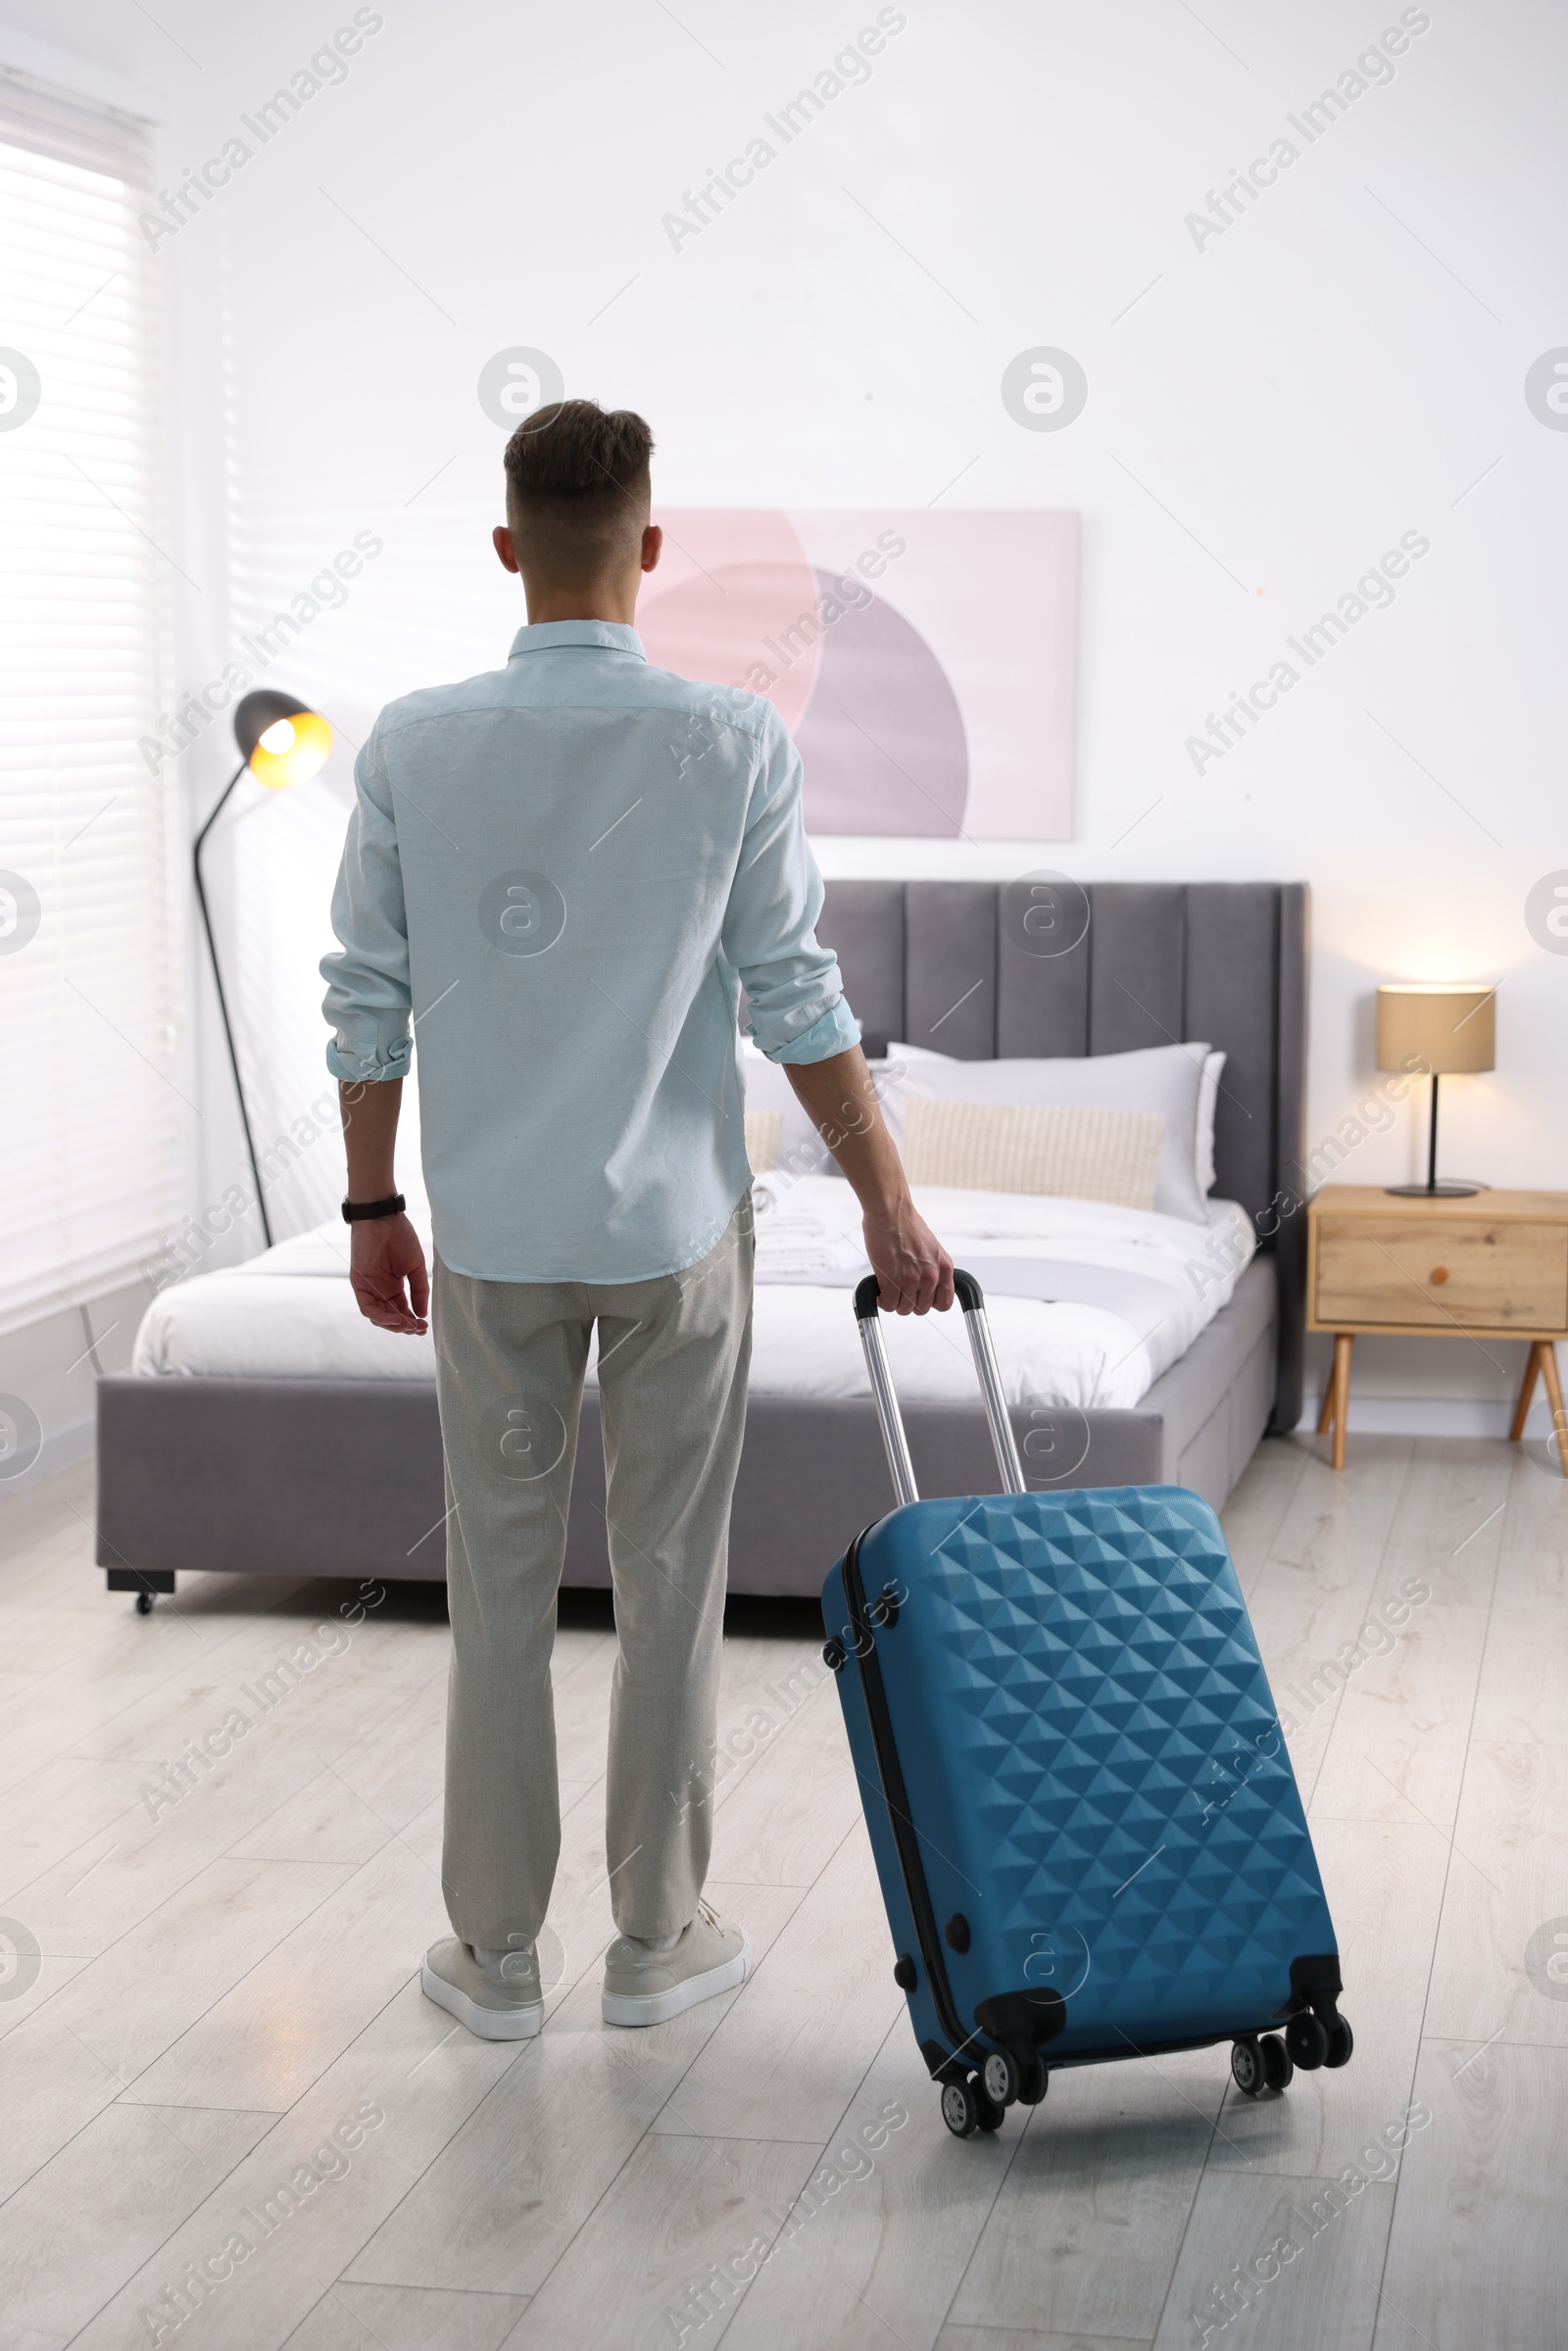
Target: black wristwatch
[(359, 1211)]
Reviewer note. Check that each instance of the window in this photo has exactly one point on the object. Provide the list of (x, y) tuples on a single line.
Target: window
[(93, 1097)]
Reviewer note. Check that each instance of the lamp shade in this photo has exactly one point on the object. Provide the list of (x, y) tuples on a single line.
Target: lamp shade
[(1437, 1026), (282, 739)]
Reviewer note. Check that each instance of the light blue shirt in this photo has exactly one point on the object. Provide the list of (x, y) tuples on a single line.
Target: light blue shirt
[(560, 874)]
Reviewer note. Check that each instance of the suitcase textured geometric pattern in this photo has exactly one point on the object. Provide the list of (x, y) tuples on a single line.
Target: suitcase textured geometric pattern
[(1105, 1711)]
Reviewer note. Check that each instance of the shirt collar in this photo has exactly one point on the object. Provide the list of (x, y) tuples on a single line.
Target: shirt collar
[(608, 636)]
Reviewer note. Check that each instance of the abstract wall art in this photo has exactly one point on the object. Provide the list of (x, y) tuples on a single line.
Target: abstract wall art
[(924, 663)]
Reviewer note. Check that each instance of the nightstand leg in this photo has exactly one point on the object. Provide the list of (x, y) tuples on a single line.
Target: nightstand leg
[(1343, 1341), (1548, 1354), (1527, 1390), (1325, 1419)]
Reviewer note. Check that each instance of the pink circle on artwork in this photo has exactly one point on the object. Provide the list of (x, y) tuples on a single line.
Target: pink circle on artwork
[(747, 617)]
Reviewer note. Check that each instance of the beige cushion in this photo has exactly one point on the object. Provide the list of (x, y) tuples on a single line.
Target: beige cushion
[(763, 1129), (1079, 1154)]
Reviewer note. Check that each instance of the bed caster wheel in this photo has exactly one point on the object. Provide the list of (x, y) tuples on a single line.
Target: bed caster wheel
[(144, 1603), (1341, 2040), (1248, 2068), (1002, 2077), (1278, 2070), (1306, 2041), (961, 2109)]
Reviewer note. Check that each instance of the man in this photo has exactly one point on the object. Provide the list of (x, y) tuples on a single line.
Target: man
[(561, 872)]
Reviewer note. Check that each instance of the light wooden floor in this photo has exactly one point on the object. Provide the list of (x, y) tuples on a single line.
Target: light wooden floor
[(225, 1978)]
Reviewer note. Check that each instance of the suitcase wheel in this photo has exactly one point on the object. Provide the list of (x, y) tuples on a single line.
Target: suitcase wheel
[(961, 2109), (1278, 2070), (1002, 2077), (1262, 2064), (966, 2108), (1036, 2080), (1306, 2039), (1341, 2040), (1007, 2080), (1248, 2067)]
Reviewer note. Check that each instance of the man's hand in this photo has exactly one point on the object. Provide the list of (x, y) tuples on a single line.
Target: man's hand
[(384, 1253), (914, 1271)]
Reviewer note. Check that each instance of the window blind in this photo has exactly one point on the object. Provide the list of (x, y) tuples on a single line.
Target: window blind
[(92, 1096)]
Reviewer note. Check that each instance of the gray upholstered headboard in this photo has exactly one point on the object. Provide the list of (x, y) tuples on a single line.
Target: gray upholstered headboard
[(943, 964)]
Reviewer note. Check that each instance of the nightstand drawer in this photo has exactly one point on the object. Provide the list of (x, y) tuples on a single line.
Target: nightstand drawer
[(1440, 1274)]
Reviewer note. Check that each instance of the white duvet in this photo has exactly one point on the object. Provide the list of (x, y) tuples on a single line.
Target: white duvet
[(1088, 1303)]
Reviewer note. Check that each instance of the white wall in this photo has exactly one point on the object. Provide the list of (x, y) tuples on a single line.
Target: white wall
[(1337, 369)]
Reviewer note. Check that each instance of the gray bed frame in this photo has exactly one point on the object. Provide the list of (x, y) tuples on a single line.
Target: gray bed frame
[(259, 1476)]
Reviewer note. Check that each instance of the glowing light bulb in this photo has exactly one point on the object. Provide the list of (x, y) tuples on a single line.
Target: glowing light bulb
[(291, 750)]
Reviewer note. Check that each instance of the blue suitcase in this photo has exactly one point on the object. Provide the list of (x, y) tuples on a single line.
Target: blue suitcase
[(1089, 1836)]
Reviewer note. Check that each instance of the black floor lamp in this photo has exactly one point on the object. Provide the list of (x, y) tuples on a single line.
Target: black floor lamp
[(282, 741)]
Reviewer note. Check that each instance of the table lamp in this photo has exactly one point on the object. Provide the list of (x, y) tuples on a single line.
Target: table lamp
[(281, 740), (1441, 1028)]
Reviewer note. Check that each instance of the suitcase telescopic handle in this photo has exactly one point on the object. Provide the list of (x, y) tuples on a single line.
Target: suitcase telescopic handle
[(971, 1298)]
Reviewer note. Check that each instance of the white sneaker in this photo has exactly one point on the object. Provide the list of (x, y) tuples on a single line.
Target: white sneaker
[(649, 1987), (503, 2002)]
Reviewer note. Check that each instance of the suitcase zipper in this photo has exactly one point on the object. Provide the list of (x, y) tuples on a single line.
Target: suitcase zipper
[(910, 1867)]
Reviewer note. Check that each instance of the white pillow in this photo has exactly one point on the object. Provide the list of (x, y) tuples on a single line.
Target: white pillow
[(1168, 1078), (1208, 1101)]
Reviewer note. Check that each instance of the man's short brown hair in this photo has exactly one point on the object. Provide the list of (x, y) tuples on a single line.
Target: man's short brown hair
[(577, 488)]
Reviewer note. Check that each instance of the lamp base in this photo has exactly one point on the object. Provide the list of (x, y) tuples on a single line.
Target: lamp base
[(1447, 1190)]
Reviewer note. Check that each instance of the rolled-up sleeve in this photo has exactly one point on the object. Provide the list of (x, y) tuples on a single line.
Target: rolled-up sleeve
[(367, 998), (796, 994)]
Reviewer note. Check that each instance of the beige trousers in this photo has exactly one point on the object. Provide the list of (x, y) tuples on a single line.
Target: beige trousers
[(673, 1356)]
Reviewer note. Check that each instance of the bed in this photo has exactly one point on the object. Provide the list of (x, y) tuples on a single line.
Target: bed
[(218, 1452)]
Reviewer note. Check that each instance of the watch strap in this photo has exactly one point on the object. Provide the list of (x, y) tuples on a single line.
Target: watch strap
[(361, 1211)]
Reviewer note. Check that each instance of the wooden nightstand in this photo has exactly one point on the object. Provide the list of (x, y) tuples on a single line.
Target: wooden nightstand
[(1494, 1266)]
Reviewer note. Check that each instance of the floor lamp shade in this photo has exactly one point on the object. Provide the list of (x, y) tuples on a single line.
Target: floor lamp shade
[(1442, 1030), (282, 741)]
